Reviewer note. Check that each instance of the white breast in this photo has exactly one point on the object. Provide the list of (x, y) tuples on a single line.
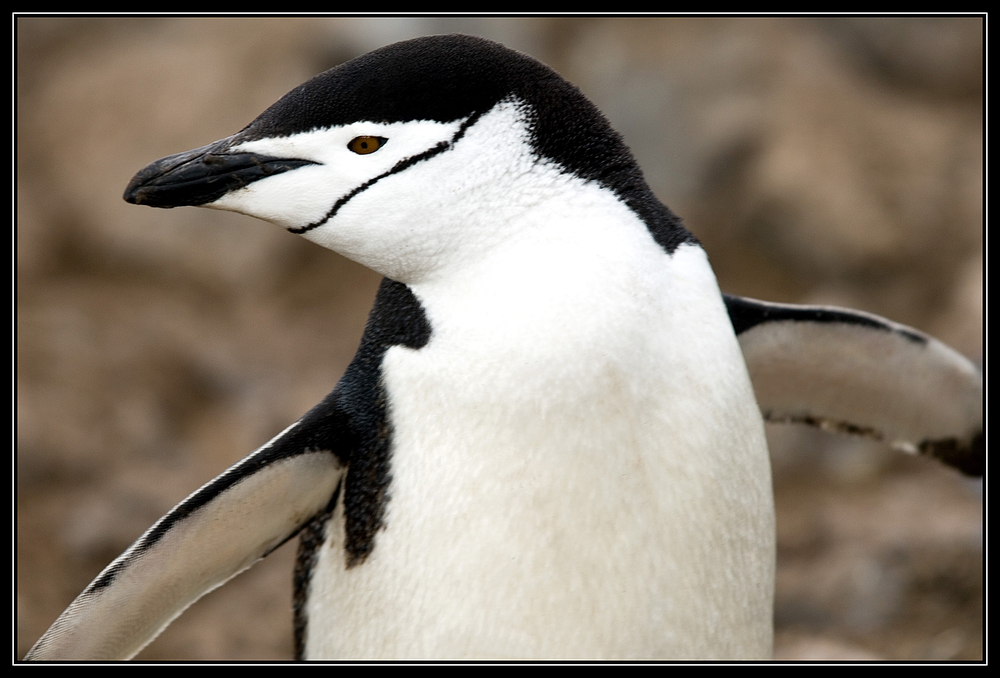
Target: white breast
[(578, 463)]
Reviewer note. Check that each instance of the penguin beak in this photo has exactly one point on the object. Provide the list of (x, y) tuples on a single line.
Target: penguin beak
[(202, 176)]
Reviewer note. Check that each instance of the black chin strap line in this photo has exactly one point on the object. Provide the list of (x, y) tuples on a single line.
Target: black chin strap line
[(403, 164)]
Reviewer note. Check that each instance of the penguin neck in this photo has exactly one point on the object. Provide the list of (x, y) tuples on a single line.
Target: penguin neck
[(571, 241)]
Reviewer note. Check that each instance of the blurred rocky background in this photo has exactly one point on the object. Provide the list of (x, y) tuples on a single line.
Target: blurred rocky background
[(818, 160)]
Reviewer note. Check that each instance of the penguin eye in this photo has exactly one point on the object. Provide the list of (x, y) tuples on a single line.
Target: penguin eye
[(366, 145)]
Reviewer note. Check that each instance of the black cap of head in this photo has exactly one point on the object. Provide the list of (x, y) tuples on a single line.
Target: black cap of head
[(442, 78)]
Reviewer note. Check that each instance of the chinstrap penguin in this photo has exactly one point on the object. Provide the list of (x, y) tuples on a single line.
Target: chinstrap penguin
[(548, 444)]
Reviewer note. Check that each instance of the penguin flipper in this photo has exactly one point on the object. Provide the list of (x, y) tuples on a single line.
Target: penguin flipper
[(216, 533), (858, 373)]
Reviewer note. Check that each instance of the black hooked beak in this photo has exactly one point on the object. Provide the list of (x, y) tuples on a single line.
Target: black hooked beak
[(203, 175)]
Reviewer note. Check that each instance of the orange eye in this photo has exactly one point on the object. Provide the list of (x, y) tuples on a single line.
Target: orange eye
[(366, 145)]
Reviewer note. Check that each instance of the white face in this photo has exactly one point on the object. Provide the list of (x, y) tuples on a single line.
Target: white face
[(303, 197), (403, 222)]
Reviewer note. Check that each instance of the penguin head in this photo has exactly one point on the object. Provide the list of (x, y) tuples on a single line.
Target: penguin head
[(394, 159)]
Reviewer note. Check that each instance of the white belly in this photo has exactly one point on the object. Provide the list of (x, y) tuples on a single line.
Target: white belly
[(601, 491)]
